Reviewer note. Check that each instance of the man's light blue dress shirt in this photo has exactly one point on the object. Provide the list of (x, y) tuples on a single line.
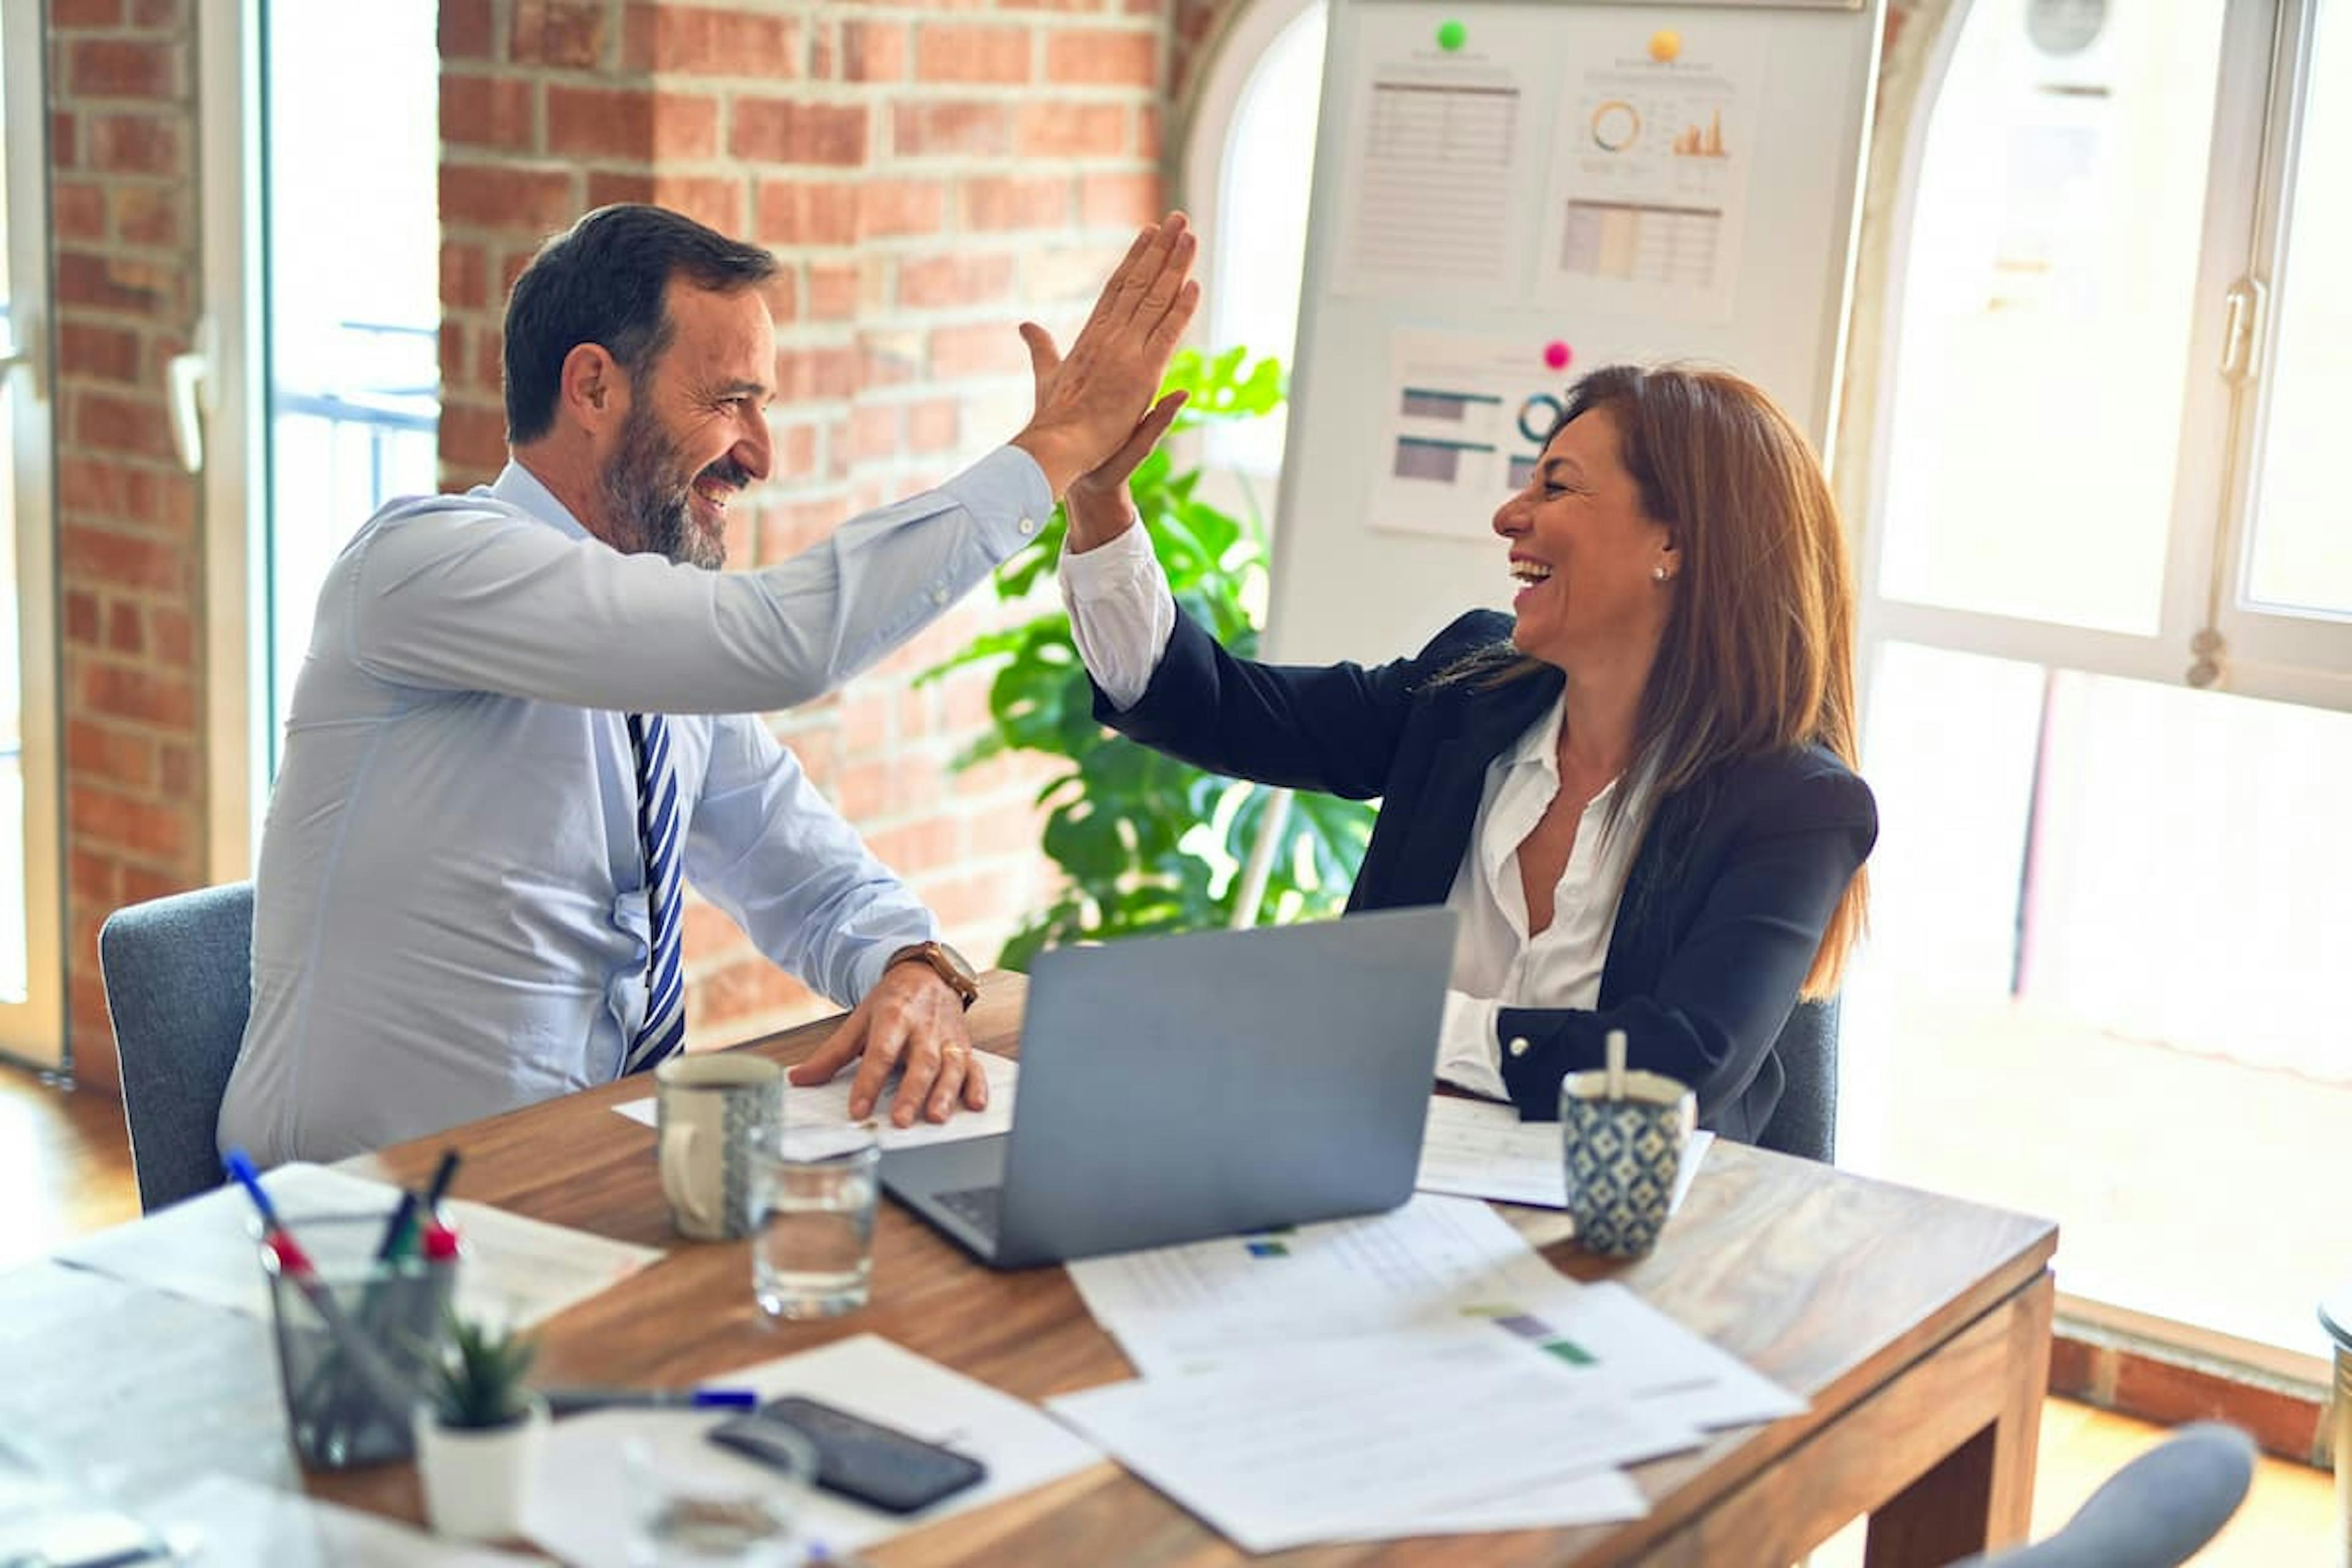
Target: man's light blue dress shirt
[(450, 913)]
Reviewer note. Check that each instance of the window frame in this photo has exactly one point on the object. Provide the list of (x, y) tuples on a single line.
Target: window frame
[(33, 1031)]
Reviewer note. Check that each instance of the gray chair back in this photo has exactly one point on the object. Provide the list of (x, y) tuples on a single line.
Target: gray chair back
[(179, 983), (2158, 1511), (1805, 1122)]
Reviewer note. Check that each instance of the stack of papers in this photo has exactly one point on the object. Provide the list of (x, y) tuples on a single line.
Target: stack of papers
[(1478, 1149), (1417, 1371), (827, 1105), (220, 1520), (580, 1502), (517, 1270)]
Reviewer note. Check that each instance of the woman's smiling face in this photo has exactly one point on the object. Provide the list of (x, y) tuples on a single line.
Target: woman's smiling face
[(1587, 554)]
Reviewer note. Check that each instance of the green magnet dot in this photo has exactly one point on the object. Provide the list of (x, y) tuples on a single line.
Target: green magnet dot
[(1451, 36)]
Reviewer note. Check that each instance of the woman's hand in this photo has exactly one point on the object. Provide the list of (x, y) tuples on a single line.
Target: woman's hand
[(1097, 502)]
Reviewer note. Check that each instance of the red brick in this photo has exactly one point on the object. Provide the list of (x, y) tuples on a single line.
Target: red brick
[(963, 901), (96, 878), (1118, 198), (81, 616), (488, 112), (697, 41), (148, 215), (119, 559), (100, 353), (125, 691), (100, 816), (991, 348), (1065, 5), (934, 425), (465, 276), (137, 144), (78, 209), (491, 196), (741, 994), (122, 67), (556, 33), (873, 51), (104, 755), (951, 130), (1150, 133), (959, 279), (782, 131), (472, 439), (794, 213), (1103, 58), (113, 424), (889, 356), (783, 293), (171, 635), (179, 769), (826, 375), (917, 847), (159, 15), (833, 293), (65, 139), (998, 202), (888, 208), (467, 30), (2169, 1394), (124, 631), (1005, 829), (873, 432), (1059, 130), (65, 15), (945, 52)]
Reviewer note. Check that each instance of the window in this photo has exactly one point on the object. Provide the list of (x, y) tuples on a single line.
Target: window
[(2108, 620), (31, 912), (1250, 162)]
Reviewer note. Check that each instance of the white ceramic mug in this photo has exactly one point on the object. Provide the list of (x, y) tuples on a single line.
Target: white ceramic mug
[(713, 1112)]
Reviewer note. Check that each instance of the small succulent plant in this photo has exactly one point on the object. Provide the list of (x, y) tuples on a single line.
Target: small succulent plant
[(479, 1381)]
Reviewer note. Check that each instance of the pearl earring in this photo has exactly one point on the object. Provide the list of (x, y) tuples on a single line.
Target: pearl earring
[(1658, 574)]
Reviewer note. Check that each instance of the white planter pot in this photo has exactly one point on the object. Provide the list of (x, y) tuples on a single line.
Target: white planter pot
[(477, 1480)]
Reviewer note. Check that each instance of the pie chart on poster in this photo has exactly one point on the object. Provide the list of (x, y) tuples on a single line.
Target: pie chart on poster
[(1614, 126)]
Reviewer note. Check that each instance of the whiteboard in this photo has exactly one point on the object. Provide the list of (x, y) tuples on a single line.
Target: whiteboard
[(1507, 195)]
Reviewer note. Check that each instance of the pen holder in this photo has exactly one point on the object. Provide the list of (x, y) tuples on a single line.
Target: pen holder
[(357, 1339)]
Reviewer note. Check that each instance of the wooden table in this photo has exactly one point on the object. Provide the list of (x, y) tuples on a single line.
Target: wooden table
[(1918, 1326)]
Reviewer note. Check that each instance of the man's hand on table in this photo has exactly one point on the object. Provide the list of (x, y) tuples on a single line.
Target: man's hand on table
[(913, 1020)]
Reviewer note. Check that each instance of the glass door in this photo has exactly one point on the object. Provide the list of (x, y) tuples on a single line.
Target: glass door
[(31, 916)]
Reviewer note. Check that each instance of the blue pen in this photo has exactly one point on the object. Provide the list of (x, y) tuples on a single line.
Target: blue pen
[(573, 1400)]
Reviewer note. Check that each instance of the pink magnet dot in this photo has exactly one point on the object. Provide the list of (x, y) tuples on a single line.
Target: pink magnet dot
[(1556, 355)]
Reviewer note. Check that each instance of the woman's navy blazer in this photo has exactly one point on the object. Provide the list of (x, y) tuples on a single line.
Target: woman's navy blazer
[(1734, 879)]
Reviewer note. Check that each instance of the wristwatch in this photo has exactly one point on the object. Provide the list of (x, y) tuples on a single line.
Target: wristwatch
[(946, 963)]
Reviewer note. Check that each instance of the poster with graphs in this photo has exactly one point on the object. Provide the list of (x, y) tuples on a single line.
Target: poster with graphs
[(1649, 174)]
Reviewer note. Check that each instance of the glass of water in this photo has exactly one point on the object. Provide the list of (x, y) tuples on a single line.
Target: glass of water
[(813, 1254)]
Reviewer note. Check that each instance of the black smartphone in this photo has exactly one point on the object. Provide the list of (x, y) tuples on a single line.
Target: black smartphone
[(856, 1458)]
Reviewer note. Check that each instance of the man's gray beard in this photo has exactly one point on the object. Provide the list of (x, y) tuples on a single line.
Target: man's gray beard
[(643, 496)]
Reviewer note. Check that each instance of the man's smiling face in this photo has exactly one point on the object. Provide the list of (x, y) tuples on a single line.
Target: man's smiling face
[(697, 429)]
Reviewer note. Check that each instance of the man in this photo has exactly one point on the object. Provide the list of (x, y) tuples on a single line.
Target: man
[(525, 714)]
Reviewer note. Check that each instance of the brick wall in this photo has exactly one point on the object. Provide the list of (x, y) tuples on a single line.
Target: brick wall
[(129, 556), (929, 175)]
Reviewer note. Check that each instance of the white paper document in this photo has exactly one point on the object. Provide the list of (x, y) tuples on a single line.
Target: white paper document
[(827, 1104), (225, 1521), (1433, 1262), (1274, 1459), (1650, 149), (1437, 139), (580, 1507), (1477, 1149), (515, 1269)]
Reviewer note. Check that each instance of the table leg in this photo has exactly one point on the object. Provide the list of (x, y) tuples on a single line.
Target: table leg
[(1980, 1496)]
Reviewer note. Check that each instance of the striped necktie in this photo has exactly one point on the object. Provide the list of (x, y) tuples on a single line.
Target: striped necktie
[(665, 1024)]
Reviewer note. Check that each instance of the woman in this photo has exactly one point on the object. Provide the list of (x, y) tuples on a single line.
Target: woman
[(1637, 793)]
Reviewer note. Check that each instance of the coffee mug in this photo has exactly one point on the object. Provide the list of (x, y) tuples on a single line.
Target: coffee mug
[(1623, 1156), (712, 1113)]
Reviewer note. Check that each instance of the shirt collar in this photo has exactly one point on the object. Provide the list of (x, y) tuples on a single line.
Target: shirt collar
[(519, 487)]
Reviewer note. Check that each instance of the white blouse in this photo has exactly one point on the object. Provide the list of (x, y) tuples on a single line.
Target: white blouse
[(1121, 616)]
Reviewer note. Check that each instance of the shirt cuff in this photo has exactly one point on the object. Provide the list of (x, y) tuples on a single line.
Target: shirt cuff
[(1466, 1052), (867, 966), (1109, 565), (1007, 496)]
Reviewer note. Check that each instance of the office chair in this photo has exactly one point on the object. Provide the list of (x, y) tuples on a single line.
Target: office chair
[(179, 983), (1805, 1122), (2156, 1512)]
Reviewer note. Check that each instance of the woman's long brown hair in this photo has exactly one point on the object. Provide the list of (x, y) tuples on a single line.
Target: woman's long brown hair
[(1757, 651)]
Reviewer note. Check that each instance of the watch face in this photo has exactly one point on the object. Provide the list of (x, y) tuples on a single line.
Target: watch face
[(962, 965)]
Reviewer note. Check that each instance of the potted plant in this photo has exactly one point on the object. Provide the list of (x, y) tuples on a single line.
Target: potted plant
[(1148, 845), (478, 1434)]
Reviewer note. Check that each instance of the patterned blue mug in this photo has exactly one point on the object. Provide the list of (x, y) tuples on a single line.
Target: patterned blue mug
[(1623, 1156)]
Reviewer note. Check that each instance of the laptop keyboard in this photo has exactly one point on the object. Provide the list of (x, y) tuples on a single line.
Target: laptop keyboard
[(983, 1208)]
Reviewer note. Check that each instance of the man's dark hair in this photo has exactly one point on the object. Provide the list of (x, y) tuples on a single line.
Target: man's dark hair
[(601, 283)]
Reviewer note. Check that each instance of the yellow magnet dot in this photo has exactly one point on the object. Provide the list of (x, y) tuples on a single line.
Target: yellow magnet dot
[(1665, 45)]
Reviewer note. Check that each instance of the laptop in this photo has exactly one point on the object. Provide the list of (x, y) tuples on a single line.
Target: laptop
[(1179, 1087)]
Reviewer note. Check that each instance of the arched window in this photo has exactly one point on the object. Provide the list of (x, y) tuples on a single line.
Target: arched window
[(1248, 163)]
